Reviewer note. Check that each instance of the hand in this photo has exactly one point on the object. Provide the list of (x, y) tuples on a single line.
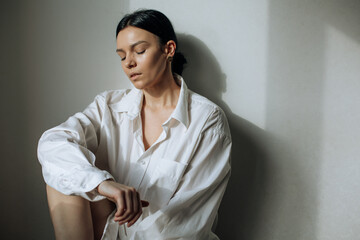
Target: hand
[(127, 199)]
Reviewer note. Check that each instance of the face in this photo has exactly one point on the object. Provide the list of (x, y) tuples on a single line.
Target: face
[(142, 58)]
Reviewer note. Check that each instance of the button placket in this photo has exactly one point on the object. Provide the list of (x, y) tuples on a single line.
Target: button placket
[(144, 159), (145, 162)]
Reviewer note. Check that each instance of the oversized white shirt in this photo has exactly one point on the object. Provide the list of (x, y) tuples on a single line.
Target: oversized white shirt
[(183, 174)]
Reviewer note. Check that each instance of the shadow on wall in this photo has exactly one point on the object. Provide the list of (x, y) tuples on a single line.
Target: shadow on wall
[(240, 210), (13, 132)]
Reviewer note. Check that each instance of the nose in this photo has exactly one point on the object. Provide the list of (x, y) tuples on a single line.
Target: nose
[(130, 62)]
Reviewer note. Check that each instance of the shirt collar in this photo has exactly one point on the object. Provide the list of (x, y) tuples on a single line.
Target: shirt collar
[(132, 102), (181, 112)]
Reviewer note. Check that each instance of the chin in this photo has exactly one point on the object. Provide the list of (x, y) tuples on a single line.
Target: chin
[(139, 85)]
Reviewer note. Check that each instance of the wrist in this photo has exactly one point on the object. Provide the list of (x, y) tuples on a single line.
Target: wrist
[(102, 183)]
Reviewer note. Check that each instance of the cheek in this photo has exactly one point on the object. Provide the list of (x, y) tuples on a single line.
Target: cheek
[(157, 63), (150, 63)]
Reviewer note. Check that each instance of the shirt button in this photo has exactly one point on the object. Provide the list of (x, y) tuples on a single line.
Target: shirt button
[(142, 162)]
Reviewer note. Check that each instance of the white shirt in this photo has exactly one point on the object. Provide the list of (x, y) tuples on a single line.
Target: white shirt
[(183, 174)]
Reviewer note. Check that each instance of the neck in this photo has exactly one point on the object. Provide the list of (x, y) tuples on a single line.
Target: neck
[(164, 95)]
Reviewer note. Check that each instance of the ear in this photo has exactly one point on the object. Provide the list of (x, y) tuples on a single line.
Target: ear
[(170, 48)]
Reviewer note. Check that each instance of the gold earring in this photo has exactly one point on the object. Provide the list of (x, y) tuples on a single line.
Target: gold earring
[(170, 59)]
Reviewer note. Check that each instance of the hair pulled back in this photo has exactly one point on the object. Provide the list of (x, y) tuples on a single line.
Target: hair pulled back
[(158, 24)]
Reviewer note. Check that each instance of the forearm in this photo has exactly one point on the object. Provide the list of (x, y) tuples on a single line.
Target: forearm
[(66, 153)]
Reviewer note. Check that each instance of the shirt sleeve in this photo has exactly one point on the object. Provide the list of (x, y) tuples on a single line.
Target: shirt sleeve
[(192, 210), (67, 153)]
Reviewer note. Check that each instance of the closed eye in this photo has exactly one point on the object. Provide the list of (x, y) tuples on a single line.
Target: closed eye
[(141, 52)]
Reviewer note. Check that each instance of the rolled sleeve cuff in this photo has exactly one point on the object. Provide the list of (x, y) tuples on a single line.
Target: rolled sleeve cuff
[(82, 183)]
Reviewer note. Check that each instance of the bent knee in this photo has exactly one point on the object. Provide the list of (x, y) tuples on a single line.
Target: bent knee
[(55, 198)]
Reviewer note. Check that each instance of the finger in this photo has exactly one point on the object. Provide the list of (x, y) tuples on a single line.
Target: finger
[(137, 210), (144, 203), (121, 206), (136, 202), (129, 207), (118, 218), (136, 217)]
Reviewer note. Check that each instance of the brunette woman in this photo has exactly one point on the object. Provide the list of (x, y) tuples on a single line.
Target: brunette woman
[(150, 162)]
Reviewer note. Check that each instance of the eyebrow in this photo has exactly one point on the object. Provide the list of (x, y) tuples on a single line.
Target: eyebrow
[(131, 46)]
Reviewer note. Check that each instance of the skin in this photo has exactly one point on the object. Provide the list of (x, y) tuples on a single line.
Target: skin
[(146, 64), (74, 217)]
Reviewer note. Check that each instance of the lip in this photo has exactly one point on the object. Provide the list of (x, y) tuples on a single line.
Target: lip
[(134, 76)]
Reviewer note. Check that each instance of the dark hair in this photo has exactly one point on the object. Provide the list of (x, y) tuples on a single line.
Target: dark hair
[(158, 24)]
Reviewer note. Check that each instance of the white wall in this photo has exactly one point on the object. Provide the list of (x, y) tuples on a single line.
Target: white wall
[(286, 73)]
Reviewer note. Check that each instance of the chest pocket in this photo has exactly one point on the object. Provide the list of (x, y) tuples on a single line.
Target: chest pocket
[(164, 181)]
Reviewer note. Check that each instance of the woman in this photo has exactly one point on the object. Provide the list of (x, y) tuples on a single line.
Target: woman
[(147, 163)]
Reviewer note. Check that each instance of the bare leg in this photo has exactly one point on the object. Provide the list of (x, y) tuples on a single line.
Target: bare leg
[(71, 216), (74, 217), (100, 211)]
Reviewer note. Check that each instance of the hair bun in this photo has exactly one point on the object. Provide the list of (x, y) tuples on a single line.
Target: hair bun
[(178, 63)]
